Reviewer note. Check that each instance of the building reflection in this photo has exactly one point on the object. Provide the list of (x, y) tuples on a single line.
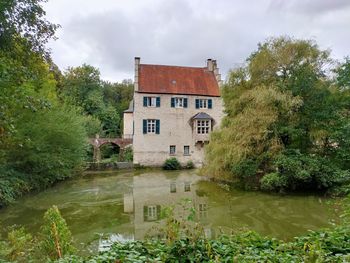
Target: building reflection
[(153, 192)]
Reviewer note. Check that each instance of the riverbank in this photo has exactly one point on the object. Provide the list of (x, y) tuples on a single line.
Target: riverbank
[(331, 245)]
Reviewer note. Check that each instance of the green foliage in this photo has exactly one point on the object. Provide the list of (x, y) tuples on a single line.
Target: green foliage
[(51, 145), (12, 185), (286, 120), (56, 237), (171, 164), (331, 245), (128, 154), (19, 246), (189, 165), (83, 87), (24, 18)]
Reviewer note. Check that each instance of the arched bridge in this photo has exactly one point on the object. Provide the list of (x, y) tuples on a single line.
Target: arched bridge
[(98, 142)]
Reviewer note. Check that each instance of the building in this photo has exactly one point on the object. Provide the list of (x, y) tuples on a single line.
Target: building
[(173, 112)]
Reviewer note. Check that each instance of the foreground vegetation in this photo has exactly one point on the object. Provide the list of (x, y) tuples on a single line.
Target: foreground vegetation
[(184, 241), (287, 126), (46, 116)]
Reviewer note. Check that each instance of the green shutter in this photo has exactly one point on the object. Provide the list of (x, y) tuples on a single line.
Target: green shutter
[(210, 103), (157, 126), (185, 102), (144, 101), (197, 103), (172, 102), (158, 101), (144, 126), (158, 211), (145, 213)]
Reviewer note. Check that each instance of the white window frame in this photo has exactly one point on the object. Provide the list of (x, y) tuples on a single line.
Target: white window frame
[(187, 187), (203, 126), (151, 101), (173, 187), (151, 126), (203, 103), (152, 212), (172, 149), (203, 210), (186, 152), (179, 102)]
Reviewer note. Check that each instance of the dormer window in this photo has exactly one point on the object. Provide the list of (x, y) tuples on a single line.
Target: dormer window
[(203, 126)]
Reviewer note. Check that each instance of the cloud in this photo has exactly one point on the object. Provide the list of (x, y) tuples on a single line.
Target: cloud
[(109, 34)]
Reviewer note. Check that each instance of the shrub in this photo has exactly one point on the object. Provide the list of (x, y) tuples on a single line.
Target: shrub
[(171, 164), (189, 165), (273, 181), (57, 239), (128, 154)]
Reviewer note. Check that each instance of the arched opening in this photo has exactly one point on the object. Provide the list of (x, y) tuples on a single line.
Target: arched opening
[(110, 152)]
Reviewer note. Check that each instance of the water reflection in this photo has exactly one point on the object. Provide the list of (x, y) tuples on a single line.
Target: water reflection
[(121, 206)]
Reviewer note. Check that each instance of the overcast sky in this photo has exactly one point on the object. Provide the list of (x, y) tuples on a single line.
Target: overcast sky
[(108, 34)]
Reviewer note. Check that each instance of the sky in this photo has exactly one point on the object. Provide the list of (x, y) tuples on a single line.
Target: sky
[(108, 34)]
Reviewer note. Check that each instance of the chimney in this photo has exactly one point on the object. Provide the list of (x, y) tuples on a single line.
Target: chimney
[(136, 81), (210, 65)]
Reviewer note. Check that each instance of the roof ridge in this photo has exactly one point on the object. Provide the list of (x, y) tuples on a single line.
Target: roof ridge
[(172, 66)]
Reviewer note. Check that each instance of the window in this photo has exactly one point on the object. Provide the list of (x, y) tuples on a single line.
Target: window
[(204, 103), (151, 126), (152, 212), (186, 150), (173, 187), (179, 102), (172, 149), (203, 210), (151, 101), (203, 126), (187, 187)]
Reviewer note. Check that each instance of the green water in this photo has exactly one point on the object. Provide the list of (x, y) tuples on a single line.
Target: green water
[(124, 206)]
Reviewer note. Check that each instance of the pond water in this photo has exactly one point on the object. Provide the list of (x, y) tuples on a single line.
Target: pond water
[(122, 205)]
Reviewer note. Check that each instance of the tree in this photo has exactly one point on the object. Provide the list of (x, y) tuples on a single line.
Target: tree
[(24, 21), (106, 101), (283, 113)]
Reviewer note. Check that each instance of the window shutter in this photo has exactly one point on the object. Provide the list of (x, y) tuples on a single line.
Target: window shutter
[(185, 102), (158, 102), (210, 103), (158, 211), (144, 101), (144, 126), (197, 103), (157, 126), (145, 213), (173, 102)]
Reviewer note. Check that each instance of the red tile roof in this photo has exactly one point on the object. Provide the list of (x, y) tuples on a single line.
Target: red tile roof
[(177, 80)]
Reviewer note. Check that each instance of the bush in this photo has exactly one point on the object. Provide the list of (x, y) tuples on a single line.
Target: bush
[(128, 154), (171, 164), (57, 239), (272, 182), (189, 165)]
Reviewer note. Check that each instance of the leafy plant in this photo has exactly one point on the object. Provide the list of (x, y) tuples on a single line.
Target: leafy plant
[(56, 237), (171, 164)]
